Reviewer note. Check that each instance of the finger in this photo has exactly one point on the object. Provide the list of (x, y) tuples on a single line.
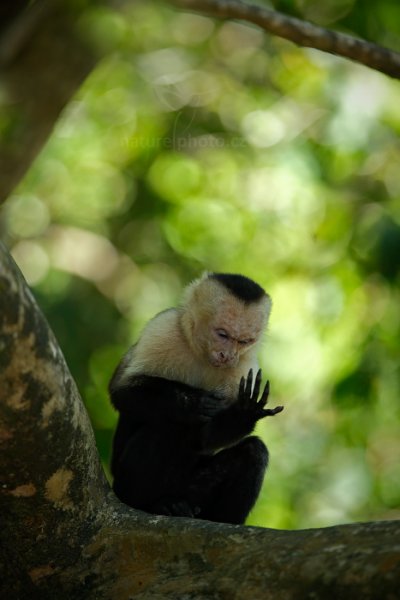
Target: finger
[(270, 412), (246, 400), (249, 384), (182, 509), (241, 389), (257, 384), (264, 397), (164, 509)]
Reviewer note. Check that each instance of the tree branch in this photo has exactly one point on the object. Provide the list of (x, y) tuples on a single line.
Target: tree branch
[(41, 42), (43, 60), (301, 32), (64, 535)]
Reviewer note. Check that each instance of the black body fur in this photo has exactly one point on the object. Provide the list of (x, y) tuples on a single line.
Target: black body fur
[(164, 454)]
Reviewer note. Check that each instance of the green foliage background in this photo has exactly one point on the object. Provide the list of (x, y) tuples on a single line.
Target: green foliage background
[(208, 145)]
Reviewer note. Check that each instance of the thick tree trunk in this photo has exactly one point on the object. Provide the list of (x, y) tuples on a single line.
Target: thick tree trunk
[(64, 535)]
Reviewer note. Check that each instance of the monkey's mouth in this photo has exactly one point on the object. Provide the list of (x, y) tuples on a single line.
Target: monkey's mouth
[(223, 364)]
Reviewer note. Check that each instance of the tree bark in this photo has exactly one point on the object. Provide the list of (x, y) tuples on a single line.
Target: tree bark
[(64, 535), (43, 61), (301, 32)]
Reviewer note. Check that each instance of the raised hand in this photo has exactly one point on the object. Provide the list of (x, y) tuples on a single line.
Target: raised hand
[(237, 420), (248, 400)]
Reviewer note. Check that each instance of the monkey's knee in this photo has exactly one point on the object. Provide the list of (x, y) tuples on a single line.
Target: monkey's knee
[(241, 469), (254, 452)]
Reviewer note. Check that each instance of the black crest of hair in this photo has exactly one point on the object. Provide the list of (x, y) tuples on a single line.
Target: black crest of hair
[(242, 287)]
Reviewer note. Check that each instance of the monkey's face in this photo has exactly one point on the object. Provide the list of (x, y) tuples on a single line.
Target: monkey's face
[(220, 327), (226, 348), (231, 333)]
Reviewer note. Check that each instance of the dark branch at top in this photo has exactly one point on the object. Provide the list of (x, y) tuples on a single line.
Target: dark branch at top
[(302, 33)]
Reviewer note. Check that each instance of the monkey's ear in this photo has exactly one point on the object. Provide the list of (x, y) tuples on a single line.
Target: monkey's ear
[(266, 308), (193, 290), (268, 303)]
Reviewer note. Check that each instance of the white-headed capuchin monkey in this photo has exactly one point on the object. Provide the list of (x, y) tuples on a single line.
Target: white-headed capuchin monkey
[(187, 405)]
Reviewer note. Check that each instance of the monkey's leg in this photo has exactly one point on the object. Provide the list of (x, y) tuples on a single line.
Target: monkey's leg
[(227, 484), (153, 464)]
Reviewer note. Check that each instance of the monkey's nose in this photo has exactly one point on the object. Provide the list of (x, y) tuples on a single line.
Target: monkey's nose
[(221, 357), (225, 357)]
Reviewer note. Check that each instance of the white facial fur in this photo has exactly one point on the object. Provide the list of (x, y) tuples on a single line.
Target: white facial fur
[(221, 327)]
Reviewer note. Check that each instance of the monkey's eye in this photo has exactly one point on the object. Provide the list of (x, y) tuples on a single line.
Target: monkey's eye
[(245, 342), (222, 334)]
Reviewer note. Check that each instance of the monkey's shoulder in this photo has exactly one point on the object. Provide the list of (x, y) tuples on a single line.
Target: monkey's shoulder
[(159, 349)]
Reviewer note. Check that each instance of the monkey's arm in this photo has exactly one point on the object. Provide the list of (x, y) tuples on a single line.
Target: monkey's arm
[(146, 399), (239, 419)]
